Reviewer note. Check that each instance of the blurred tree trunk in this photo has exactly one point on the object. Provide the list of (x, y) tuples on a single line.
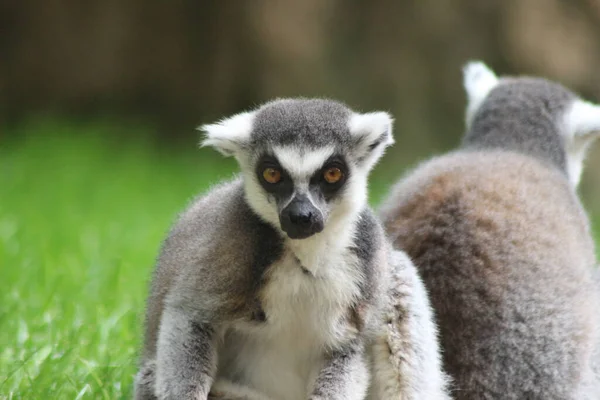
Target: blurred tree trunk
[(183, 62)]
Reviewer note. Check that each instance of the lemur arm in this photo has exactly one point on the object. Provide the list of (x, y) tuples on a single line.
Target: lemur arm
[(406, 359), (186, 357), (345, 376)]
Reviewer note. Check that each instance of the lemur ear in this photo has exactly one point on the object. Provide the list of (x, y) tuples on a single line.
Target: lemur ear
[(581, 128), (230, 135), (582, 120), (373, 133), (478, 81)]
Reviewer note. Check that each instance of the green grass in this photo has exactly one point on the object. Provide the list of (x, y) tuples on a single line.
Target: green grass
[(83, 209), (82, 214)]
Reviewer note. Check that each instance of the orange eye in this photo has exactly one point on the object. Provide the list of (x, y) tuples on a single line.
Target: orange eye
[(333, 175), (272, 175)]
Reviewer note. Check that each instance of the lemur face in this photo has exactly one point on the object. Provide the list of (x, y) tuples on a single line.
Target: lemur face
[(305, 162), (303, 186)]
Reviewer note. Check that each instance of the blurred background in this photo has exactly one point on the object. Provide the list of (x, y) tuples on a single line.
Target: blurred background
[(169, 66), (98, 152)]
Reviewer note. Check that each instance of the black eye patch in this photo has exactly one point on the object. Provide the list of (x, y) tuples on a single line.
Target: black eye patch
[(319, 183), (284, 187)]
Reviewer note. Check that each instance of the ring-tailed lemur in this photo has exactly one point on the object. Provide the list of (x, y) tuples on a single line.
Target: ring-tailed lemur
[(281, 284), (503, 245)]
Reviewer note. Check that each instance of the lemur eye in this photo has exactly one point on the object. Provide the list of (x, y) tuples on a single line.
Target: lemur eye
[(333, 175), (272, 175)]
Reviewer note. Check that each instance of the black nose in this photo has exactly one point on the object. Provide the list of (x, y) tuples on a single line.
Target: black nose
[(301, 219)]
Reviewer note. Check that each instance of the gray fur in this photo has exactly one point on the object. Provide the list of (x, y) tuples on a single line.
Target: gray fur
[(504, 247), (312, 123), (522, 115), (238, 309), (406, 358), (342, 374)]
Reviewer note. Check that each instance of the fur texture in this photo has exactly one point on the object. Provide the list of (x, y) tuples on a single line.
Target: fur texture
[(240, 308), (406, 358), (503, 245)]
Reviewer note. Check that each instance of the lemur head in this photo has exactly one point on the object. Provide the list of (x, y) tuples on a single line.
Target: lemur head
[(530, 115), (304, 161)]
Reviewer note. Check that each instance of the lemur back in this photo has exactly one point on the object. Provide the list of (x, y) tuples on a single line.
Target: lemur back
[(277, 285), (503, 245)]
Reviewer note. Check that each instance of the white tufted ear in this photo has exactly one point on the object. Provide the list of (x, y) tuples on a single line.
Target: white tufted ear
[(582, 119), (581, 128), (230, 135), (373, 133), (478, 81)]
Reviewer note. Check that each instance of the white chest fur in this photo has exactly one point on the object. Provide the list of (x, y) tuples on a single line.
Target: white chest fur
[(305, 315)]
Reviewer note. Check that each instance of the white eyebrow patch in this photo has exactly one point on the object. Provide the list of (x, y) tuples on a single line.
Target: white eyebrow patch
[(301, 164)]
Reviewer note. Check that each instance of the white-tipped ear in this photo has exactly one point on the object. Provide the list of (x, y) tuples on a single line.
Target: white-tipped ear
[(230, 135), (581, 128), (478, 81), (582, 119), (373, 133)]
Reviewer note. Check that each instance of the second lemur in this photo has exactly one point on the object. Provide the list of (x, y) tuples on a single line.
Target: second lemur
[(503, 244)]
